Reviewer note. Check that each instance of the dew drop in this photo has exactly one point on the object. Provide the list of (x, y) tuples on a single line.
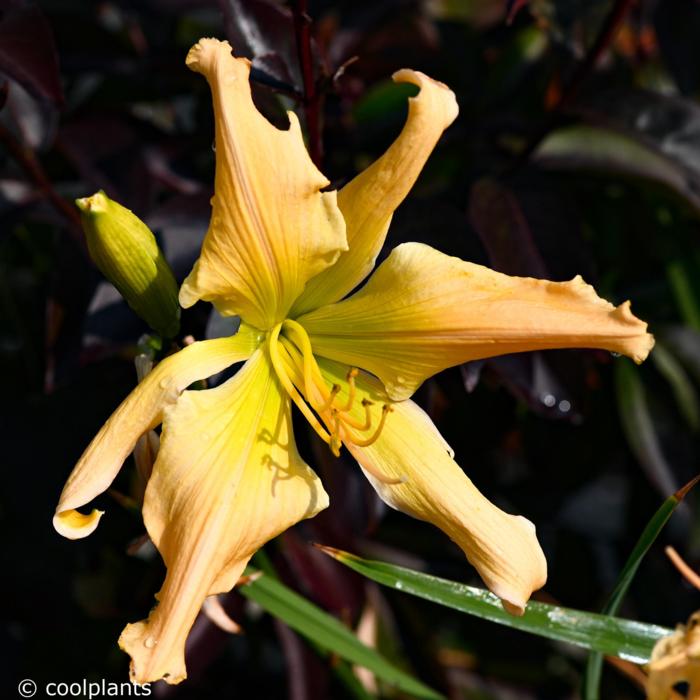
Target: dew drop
[(548, 400), (149, 642), (398, 585), (616, 354), (213, 146), (163, 383), (565, 406)]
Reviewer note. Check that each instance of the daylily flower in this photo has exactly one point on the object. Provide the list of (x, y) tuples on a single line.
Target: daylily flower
[(676, 659), (282, 253)]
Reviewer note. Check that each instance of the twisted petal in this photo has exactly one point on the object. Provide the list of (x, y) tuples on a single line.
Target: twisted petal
[(423, 311), (368, 202), (227, 479), (141, 411), (271, 228), (503, 548)]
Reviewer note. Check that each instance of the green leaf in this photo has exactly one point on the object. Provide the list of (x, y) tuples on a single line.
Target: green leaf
[(639, 427), (627, 639), (684, 393), (609, 150), (680, 279), (328, 633), (383, 100), (594, 667)]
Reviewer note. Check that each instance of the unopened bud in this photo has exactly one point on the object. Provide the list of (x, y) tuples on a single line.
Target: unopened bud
[(126, 252)]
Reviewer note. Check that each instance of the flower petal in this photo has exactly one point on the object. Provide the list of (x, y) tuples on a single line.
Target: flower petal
[(503, 548), (423, 311), (368, 201), (227, 479), (271, 229), (141, 411)]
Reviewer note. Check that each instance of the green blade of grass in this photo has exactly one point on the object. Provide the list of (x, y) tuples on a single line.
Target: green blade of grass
[(627, 639), (683, 390), (594, 667), (327, 632)]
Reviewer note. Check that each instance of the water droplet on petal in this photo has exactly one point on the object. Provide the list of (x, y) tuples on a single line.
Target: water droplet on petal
[(213, 146), (616, 354), (163, 383), (149, 642)]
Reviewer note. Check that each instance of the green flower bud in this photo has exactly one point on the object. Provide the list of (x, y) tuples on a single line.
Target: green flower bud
[(126, 252)]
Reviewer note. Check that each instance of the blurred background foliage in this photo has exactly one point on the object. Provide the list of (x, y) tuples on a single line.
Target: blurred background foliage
[(577, 151)]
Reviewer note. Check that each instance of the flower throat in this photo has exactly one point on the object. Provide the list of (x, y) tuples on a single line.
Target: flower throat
[(296, 367)]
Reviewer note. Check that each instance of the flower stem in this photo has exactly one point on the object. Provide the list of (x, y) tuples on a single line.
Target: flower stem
[(312, 97)]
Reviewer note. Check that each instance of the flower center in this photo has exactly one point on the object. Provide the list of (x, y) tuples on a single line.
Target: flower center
[(296, 367)]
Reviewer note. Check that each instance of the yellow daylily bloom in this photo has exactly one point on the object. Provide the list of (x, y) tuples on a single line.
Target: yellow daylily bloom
[(282, 255), (676, 659)]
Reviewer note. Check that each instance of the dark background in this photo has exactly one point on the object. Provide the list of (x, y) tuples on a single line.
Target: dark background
[(577, 150)]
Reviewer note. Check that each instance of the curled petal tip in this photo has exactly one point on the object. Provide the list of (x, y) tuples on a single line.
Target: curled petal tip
[(447, 102), (638, 346), (199, 57), (514, 575), (147, 664), (75, 525)]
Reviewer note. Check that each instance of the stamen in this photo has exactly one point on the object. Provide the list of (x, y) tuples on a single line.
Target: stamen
[(312, 374), (294, 362), (352, 373), (354, 423), (336, 442), (386, 409), (335, 390), (290, 388)]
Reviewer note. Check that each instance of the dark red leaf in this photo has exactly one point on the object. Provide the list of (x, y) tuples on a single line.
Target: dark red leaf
[(264, 32), (497, 217), (28, 52)]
